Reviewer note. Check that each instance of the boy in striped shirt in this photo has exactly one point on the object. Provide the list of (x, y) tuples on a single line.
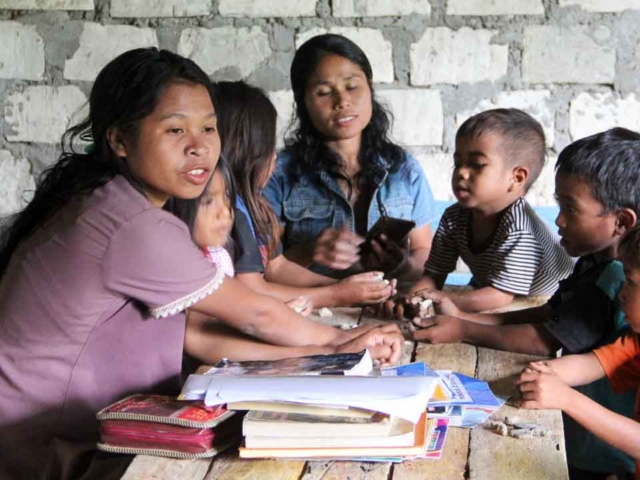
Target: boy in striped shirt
[(508, 248)]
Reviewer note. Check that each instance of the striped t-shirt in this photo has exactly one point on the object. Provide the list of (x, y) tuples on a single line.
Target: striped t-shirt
[(524, 257)]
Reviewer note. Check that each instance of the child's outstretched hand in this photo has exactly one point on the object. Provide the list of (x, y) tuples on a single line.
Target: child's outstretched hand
[(302, 305), (337, 249), (442, 304), (383, 342), (439, 329), (541, 388)]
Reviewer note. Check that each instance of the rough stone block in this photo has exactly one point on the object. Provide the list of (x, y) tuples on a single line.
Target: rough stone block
[(379, 51), (593, 113), (418, 117), (42, 114), (17, 184), (443, 55), (100, 44), (22, 52), (213, 49), (160, 8), (47, 4), (603, 5), (438, 168), (283, 101), (261, 8), (495, 7), (380, 8), (542, 191), (582, 59), (534, 102)]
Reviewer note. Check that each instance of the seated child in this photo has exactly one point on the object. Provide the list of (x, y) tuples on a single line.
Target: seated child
[(508, 248), (548, 384), (247, 126), (210, 219), (597, 180)]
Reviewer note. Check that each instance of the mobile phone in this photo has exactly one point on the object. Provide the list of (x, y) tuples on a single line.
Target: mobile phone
[(396, 229)]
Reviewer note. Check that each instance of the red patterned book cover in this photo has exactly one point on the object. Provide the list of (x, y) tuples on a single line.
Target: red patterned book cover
[(161, 425)]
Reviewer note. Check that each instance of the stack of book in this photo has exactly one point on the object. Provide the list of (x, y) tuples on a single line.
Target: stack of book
[(315, 407)]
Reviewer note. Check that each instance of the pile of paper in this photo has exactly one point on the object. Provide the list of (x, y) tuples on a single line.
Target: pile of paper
[(309, 414)]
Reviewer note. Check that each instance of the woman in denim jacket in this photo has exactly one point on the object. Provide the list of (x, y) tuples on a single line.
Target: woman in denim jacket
[(340, 172)]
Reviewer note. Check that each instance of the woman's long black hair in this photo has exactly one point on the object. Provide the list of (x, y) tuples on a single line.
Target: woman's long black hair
[(306, 145), (125, 91)]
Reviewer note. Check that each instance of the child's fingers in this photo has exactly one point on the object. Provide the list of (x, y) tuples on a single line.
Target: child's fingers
[(525, 387), (530, 404), (527, 377), (540, 366), (423, 322)]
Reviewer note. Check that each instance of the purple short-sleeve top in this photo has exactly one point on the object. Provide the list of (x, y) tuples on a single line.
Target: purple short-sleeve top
[(90, 311)]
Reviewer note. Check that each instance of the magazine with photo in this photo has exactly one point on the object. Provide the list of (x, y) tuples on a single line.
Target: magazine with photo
[(334, 364)]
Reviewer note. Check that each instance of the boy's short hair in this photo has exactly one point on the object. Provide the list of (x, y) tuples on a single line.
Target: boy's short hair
[(629, 248), (523, 137), (609, 162)]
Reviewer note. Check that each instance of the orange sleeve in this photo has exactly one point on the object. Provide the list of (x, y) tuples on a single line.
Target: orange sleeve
[(621, 362)]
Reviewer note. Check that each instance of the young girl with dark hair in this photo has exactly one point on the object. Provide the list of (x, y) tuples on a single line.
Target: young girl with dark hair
[(247, 128), (96, 276), (340, 171)]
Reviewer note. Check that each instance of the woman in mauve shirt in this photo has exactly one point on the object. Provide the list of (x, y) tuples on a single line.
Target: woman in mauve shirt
[(95, 276)]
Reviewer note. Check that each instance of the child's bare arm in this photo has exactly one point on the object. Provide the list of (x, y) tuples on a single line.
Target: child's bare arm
[(523, 338), (542, 388), (210, 341), (445, 306), (485, 298), (363, 288), (283, 271), (429, 282), (577, 369)]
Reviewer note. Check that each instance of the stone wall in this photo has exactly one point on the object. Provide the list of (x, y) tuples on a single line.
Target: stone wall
[(573, 64)]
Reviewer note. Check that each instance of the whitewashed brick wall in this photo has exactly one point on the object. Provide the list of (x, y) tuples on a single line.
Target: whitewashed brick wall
[(465, 56), (159, 8), (47, 4), (42, 114), (100, 44), (495, 7), (602, 5), (22, 52), (380, 8), (567, 55), (242, 48), (262, 8), (570, 63)]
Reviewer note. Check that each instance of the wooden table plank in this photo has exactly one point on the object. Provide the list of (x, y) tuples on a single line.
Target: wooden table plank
[(458, 357), (497, 457), (453, 463), (145, 467), (229, 467), (340, 470), (340, 316)]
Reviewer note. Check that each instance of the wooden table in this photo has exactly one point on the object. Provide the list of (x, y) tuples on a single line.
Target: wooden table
[(469, 454)]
